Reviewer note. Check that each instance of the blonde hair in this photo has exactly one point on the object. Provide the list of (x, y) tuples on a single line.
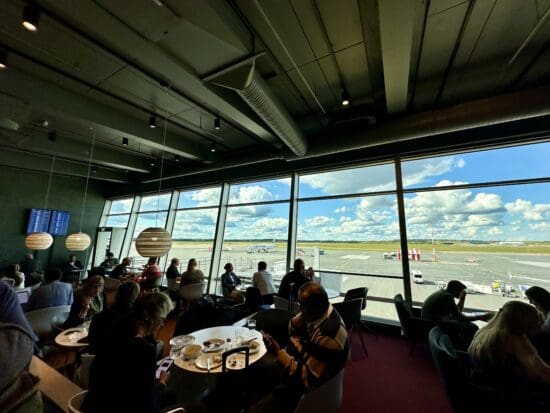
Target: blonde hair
[(151, 311), (514, 319)]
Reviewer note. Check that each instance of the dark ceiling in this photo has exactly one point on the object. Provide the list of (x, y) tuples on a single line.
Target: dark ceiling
[(103, 67)]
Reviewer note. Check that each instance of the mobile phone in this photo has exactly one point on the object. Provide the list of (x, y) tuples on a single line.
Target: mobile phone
[(164, 366)]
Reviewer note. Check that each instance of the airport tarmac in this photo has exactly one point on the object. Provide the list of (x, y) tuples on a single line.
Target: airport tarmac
[(478, 270)]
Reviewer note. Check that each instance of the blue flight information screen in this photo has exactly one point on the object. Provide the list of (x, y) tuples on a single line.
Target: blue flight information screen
[(39, 220), (59, 223)]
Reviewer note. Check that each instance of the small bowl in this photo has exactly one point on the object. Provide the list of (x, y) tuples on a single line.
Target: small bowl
[(181, 341), (191, 351)]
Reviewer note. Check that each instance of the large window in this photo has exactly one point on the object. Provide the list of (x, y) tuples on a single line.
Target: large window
[(492, 238), (347, 238), (481, 217)]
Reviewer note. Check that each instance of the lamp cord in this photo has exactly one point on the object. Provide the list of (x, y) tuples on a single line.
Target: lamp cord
[(162, 159), (50, 178), (87, 181)]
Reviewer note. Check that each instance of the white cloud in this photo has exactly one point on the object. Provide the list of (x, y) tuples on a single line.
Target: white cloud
[(270, 224), (248, 194), (541, 226), (536, 212), (417, 172), (209, 196), (340, 210), (318, 221), (495, 231)]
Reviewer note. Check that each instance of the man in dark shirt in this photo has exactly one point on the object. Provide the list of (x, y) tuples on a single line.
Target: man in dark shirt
[(291, 282), (441, 308), (32, 268), (120, 272)]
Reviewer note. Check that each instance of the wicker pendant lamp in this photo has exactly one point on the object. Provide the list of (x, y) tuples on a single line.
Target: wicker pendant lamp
[(155, 241), (80, 241)]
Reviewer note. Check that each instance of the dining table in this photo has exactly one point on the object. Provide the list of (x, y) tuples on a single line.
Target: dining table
[(231, 335)]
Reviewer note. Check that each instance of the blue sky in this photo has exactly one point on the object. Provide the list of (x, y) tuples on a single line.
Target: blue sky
[(520, 212)]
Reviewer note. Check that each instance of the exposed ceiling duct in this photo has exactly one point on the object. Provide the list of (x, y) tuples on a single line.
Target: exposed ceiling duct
[(475, 114), (254, 90)]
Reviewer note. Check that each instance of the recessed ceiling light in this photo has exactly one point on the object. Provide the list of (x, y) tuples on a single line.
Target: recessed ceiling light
[(153, 122), (217, 124), (177, 158), (94, 169), (124, 141), (345, 98), (213, 147), (31, 15), (152, 163), (3, 58)]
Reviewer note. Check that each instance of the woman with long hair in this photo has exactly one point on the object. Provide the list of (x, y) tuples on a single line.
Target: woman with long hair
[(540, 298), (503, 345), (192, 275)]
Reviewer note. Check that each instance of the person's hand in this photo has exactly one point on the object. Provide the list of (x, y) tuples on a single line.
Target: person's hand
[(163, 377), (462, 295), (271, 345), (298, 322)]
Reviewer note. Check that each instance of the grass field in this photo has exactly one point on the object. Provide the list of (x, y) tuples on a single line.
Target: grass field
[(532, 248)]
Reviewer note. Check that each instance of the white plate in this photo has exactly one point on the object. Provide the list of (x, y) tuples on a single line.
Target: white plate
[(215, 361), (236, 361), (254, 347), (215, 345)]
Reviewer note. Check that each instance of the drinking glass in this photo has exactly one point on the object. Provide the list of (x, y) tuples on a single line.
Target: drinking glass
[(251, 324), (240, 335)]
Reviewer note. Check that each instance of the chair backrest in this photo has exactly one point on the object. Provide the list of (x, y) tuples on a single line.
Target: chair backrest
[(75, 403), (9, 281), (40, 320), (284, 304), (274, 322), (350, 311), (57, 322), (403, 312), (191, 291), (326, 398), (360, 292), (253, 298)]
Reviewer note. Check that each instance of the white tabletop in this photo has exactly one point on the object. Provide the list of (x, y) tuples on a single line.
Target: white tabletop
[(70, 337), (223, 333)]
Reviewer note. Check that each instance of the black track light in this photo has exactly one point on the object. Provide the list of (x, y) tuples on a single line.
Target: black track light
[(217, 124), (31, 15), (152, 163), (213, 147), (3, 58), (153, 122), (52, 135), (345, 98), (94, 169), (177, 158), (124, 141)]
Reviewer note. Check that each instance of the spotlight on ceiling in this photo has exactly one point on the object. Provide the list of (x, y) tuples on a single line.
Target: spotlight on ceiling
[(94, 169), (153, 122), (152, 163), (124, 141), (3, 58), (177, 158), (345, 98), (213, 147), (217, 124), (31, 15), (52, 135)]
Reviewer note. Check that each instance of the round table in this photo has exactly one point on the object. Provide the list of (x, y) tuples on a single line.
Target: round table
[(70, 337), (222, 332)]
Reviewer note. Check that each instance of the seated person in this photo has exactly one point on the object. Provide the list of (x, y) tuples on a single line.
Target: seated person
[(502, 347), (104, 325), (263, 280), (88, 300), (296, 277), (317, 351), (110, 262), (53, 293), (32, 268), (540, 298), (441, 308), (192, 275), (122, 377), (13, 272), (120, 272), (172, 274), (11, 311), (150, 274), (73, 264), (230, 282)]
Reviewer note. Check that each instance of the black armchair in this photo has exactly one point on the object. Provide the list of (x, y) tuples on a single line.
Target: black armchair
[(414, 329), (350, 311), (360, 292)]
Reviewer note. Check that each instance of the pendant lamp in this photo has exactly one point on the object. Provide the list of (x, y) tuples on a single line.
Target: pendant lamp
[(80, 241), (43, 240), (156, 241)]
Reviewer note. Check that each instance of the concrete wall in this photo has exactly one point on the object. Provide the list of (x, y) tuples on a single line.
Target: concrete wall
[(21, 190)]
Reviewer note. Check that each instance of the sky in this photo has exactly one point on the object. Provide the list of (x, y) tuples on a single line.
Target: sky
[(506, 213)]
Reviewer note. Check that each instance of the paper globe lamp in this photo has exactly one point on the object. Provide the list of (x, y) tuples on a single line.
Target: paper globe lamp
[(79, 241), (153, 242), (38, 241)]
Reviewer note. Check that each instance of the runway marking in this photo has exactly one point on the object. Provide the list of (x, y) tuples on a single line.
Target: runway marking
[(355, 257), (534, 263)]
